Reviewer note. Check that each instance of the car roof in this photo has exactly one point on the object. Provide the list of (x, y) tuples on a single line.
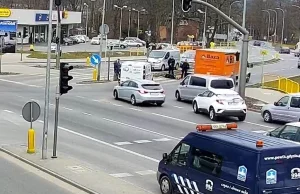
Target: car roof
[(243, 138), (294, 95), (143, 81), (223, 91), (206, 76), (296, 124)]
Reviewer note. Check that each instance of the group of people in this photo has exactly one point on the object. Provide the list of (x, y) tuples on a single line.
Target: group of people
[(184, 67)]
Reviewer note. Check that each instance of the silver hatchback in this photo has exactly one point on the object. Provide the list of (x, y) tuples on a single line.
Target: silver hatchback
[(287, 109), (140, 91)]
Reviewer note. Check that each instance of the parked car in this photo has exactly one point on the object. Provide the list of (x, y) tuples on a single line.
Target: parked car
[(81, 38), (220, 103), (257, 43), (189, 56), (132, 43), (75, 39), (95, 41), (289, 131), (287, 109), (285, 50), (67, 41), (117, 44), (136, 40), (140, 91)]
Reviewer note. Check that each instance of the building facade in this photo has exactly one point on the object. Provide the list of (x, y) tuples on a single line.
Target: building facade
[(34, 24)]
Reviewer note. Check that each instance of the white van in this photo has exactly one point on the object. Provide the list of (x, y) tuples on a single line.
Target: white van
[(138, 70), (159, 59)]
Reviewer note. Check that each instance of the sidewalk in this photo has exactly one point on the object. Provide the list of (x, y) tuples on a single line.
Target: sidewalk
[(264, 95), (81, 175)]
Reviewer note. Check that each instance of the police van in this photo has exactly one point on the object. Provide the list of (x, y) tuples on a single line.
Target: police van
[(218, 158)]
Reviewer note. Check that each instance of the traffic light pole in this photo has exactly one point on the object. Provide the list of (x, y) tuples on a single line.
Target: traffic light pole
[(58, 29)]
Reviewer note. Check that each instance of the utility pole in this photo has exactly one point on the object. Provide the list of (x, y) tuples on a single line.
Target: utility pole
[(58, 39), (101, 39), (47, 88), (172, 23)]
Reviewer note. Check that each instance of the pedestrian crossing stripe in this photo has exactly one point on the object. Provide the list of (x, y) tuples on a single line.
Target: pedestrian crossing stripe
[(185, 188)]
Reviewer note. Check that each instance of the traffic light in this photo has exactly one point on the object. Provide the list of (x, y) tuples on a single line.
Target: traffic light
[(186, 5), (57, 2), (25, 32), (65, 78)]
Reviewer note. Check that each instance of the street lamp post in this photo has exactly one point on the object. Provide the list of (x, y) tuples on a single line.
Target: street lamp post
[(275, 27), (172, 22), (121, 8), (283, 18), (268, 23), (129, 23), (244, 14), (138, 20), (87, 19), (101, 38), (229, 15), (204, 27), (298, 8)]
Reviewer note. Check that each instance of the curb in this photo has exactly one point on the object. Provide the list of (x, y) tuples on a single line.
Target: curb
[(66, 180)]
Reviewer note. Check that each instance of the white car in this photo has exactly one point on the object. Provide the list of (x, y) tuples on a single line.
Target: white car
[(132, 43), (220, 103), (81, 38), (289, 131), (95, 40)]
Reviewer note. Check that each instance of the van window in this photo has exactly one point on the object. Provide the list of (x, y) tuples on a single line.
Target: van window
[(198, 81), (295, 102), (167, 55), (206, 162), (157, 54), (180, 154), (221, 84), (152, 86)]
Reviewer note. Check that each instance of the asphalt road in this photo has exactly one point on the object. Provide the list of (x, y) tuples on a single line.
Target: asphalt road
[(125, 141), (17, 177)]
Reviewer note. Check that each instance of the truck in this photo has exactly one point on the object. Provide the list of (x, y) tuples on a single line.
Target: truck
[(223, 62)]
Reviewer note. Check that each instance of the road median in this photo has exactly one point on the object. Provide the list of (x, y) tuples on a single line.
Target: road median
[(79, 174)]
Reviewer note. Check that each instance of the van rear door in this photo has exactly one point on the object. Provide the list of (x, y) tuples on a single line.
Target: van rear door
[(279, 172)]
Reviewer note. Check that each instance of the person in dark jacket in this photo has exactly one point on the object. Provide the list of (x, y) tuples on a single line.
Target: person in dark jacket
[(171, 63), (117, 69), (184, 68)]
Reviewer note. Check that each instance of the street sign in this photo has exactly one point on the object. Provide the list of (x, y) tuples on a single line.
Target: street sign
[(95, 59), (31, 111), (106, 29), (264, 52)]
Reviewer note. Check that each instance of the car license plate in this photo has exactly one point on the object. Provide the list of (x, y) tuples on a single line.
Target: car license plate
[(154, 94), (232, 103)]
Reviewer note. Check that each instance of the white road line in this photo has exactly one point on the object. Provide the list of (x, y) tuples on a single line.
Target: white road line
[(40, 121), (162, 139), (19, 83), (142, 141), (177, 106), (176, 119), (109, 145), (261, 131), (8, 111), (121, 175), (80, 97), (51, 104), (67, 108), (145, 172), (142, 129), (265, 126), (116, 104), (136, 109), (123, 143), (85, 113)]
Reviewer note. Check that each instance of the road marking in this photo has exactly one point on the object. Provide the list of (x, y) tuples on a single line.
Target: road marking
[(109, 145), (177, 106), (67, 108), (40, 121), (121, 175), (261, 131), (162, 139), (136, 109), (116, 105), (51, 104), (176, 119), (149, 131), (123, 143), (14, 82), (8, 111), (142, 141), (80, 97), (85, 113), (265, 126), (146, 172)]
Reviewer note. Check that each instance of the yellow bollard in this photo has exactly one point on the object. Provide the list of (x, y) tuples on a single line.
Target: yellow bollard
[(88, 61), (31, 141), (31, 48), (95, 72)]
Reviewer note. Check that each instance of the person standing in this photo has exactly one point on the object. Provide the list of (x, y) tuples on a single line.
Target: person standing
[(184, 68), (171, 63), (117, 69)]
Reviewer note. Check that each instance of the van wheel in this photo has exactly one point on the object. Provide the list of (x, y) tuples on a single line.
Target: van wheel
[(165, 185), (177, 96), (195, 107), (212, 114), (116, 96), (267, 117), (133, 100), (163, 68), (122, 46)]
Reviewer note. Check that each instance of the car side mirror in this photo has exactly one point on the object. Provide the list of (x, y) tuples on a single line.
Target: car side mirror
[(275, 103), (165, 157), (182, 83)]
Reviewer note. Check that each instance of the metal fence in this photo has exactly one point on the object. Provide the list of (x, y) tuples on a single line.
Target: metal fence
[(280, 83)]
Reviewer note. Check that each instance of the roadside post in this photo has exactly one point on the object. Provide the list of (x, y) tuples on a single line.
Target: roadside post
[(31, 112), (95, 61), (108, 66), (104, 30), (263, 53), (1, 51), (88, 61)]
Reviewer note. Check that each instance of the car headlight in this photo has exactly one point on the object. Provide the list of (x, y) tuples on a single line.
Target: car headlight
[(159, 61)]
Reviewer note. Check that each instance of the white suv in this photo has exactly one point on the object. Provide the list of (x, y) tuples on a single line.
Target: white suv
[(220, 103)]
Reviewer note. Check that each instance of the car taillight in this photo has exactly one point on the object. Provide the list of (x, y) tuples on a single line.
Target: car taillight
[(162, 92), (220, 101), (143, 91)]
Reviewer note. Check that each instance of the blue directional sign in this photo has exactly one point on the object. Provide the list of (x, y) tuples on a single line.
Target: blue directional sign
[(95, 59)]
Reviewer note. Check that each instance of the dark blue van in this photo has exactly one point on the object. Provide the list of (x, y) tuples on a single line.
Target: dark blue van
[(212, 160)]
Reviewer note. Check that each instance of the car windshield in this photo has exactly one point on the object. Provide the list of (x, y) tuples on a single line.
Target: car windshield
[(152, 86), (157, 54), (189, 55), (221, 84)]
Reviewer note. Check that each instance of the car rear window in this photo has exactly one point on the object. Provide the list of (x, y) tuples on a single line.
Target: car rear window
[(221, 84), (152, 86)]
